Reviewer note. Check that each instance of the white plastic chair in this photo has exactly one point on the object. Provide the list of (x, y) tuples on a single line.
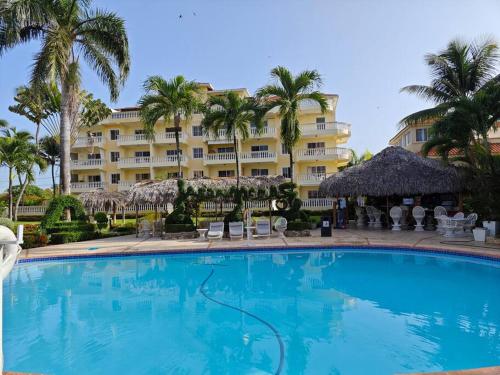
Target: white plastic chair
[(418, 213), (236, 230), (280, 225), (377, 215), (395, 214), (470, 223), (215, 231), (145, 229), (449, 226), (262, 228), (438, 212), (459, 215), (371, 217), (360, 222)]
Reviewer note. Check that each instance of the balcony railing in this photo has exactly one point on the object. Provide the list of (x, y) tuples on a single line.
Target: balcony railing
[(87, 164), (169, 137), (169, 160), (266, 132), (220, 137), (330, 153), (317, 203), (79, 187), (257, 156), (137, 161), (124, 115), (133, 139), (220, 158), (89, 142), (125, 185), (326, 128), (311, 179)]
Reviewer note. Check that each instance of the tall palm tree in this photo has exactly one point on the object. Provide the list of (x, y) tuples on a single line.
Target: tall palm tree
[(234, 114), (69, 31), (286, 94), (172, 100), (50, 149)]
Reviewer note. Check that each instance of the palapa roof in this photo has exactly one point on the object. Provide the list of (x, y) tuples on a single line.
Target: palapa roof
[(103, 200), (165, 191), (394, 171)]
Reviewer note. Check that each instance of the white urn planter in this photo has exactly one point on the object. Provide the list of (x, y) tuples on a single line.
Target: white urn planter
[(479, 234), (493, 227)]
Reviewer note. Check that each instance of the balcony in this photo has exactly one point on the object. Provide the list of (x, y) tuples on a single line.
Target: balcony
[(132, 140), (87, 164), (168, 161), (266, 132), (313, 179), (169, 138), (81, 187), (128, 116), (81, 142), (125, 185), (317, 204), (339, 129), (330, 153), (219, 138), (135, 162), (258, 157), (219, 158)]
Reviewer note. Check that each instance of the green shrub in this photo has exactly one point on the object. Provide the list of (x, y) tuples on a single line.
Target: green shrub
[(298, 225), (124, 230), (177, 228), (34, 240), (70, 226), (67, 237), (7, 223), (102, 220), (56, 209)]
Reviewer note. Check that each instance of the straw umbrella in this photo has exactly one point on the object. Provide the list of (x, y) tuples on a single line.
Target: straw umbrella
[(104, 200)]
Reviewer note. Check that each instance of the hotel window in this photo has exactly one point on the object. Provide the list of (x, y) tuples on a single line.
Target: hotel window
[(197, 130), (74, 178), (313, 194), (320, 123), (93, 156), (316, 145), (320, 169), (173, 152), (115, 156), (225, 150), (406, 140), (198, 174), (114, 134), (285, 172), (139, 134), (228, 173), (198, 153), (260, 172), (142, 177), (422, 135), (73, 156), (316, 148), (284, 149), (258, 148), (115, 178), (142, 154), (96, 178)]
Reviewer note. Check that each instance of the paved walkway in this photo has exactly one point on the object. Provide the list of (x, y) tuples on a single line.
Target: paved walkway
[(349, 237)]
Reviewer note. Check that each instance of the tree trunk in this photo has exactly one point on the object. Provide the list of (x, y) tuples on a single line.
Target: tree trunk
[(20, 197), (65, 133), (177, 121), (53, 179), (290, 154), (235, 141), (10, 193)]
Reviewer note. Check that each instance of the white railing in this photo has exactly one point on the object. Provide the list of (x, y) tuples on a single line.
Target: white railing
[(220, 137), (311, 179), (88, 141), (125, 185), (131, 162), (132, 139), (168, 160), (124, 115), (87, 164), (228, 206), (323, 153), (86, 186), (223, 157), (257, 156), (266, 131), (335, 128), (31, 210), (169, 137), (317, 203)]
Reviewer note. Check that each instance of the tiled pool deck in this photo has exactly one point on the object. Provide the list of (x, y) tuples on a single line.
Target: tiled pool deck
[(408, 240)]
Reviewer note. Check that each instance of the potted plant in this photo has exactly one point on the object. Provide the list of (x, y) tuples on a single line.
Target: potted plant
[(479, 234)]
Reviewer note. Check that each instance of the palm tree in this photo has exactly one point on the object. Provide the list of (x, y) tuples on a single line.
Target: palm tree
[(49, 149), (357, 159), (233, 114), (286, 94), (171, 100), (14, 150), (69, 31)]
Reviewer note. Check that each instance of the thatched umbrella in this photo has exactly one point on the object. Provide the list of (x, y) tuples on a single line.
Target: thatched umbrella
[(104, 200), (394, 171)]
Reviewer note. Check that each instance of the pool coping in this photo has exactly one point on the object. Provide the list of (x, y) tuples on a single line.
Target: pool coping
[(466, 253)]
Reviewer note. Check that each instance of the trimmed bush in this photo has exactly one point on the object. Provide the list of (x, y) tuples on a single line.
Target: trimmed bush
[(298, 225), (177, 228), (7, 223), (70, 226), (56, 209), (34, 240), (67, 237), (102, 220)]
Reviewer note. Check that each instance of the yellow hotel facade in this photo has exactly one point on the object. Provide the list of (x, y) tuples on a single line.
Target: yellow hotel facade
[(116, 154)]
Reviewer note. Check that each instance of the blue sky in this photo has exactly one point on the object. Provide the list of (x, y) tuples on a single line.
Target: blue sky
[(366, 50)]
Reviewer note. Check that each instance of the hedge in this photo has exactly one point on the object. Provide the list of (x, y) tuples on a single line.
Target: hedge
[(298, 225), (70, 226), (56, 209), (67, 237), (177, 228)]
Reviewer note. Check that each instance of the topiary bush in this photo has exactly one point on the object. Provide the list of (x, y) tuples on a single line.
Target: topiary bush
[(71, 226), (67, 237), (102, 220), (178, 228), (7, 223), (180, 215), (56, 208), (298, 225)]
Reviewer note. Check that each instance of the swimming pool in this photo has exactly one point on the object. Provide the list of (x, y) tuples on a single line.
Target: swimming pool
[(342, 312)]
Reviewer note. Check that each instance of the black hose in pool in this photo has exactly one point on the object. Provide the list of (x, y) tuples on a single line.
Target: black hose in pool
[(269, 325)]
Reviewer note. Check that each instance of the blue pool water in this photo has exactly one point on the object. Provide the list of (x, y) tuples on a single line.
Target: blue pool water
[(306, 312)]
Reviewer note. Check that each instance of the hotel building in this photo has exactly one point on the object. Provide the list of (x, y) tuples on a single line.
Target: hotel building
[(116, 154)]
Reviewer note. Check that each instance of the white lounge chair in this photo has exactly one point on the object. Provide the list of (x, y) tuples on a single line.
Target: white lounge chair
[(418, 213), (262, 228), (280, 225), (215, 231), (395, 214), (236, 230), (438, 212), (470, 223), (145, 228)]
